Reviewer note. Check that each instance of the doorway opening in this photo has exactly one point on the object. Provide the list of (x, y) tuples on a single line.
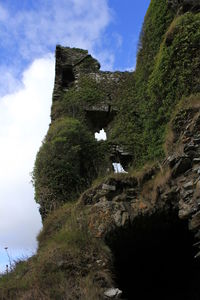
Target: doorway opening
[(118, 168)]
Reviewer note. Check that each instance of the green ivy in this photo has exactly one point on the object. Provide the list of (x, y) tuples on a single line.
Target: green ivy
[(66, 163)]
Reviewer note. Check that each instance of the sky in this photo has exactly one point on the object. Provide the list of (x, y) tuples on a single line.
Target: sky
[(30, 31)]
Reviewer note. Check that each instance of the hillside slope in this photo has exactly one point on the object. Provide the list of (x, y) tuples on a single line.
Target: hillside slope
[(128, 235)]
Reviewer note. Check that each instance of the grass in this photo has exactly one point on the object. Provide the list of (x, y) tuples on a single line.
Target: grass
[(182, 108), (65, 266), (151, 189)]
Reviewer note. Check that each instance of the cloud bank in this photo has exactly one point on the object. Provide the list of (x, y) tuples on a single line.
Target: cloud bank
[(24, 119), (28, 31)]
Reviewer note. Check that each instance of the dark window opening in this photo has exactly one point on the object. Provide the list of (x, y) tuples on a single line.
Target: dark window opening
[(187, 7), (67, 77), (98, 119), (154, 259)]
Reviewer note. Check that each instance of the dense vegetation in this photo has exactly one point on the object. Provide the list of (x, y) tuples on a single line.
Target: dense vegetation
[(60, 268), (66, 164), (168, 69), (166, 76)]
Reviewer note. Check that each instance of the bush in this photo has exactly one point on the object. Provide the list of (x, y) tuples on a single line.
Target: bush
[(66, 163)]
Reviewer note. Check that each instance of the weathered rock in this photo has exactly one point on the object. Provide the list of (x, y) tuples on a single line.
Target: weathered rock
[(131, 192), (188, 185), (172, 160), (125, 218), (182, 166), (195, 221), (192, 154), (196, 160), (186, 194), (118, 218), (196, 140), (197, 255), (189, 147), (119, 198), (113, 293), (197, 235), (185, 210), (108, 187), (198, 185), (188, 133), (196, 169)]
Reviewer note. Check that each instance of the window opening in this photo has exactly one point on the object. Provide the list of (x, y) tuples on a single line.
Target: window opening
[(118, 168), (101, 135)]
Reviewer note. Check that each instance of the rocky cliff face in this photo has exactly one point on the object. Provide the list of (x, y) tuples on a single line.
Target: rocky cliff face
[(162, 203), (132, 235)]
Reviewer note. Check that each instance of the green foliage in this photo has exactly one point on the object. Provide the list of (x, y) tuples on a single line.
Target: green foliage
[(126, 127), (168, 68), (69, 159), (65, 264), (131, 127), (73, 102), (175, 74), (66, 163), (156, 22)]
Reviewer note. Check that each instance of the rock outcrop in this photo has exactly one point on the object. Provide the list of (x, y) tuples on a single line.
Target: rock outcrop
[(133, 235), (120, 199), (170, 190)]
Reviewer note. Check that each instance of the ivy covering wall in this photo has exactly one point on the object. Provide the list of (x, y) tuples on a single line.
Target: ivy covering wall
[(168, 69)]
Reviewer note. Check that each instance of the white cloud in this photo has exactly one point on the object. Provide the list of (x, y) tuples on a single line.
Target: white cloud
[(106, 59), (9, 82), (24, 119), (77, 23), (26, 36)]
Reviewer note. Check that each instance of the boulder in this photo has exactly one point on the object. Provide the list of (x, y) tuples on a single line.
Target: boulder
[(181, 166), (196, 160), (192, 154), (113, 293), (196, 141), (185, 210), (195, 221), (172, 160), (108, 187), (188, 185)]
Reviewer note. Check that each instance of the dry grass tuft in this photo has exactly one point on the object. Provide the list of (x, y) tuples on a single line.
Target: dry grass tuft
[(65, 264), (186, 103), (151, 189)]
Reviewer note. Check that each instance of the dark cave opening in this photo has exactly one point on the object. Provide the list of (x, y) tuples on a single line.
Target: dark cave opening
[(153, 258)]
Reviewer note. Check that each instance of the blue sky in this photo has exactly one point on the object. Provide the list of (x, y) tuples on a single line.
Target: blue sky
[(29, 32)]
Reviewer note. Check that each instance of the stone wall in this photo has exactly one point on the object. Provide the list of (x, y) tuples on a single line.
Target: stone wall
[(72, 67)]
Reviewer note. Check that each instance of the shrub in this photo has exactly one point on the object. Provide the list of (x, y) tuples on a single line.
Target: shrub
[(66, 163)]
